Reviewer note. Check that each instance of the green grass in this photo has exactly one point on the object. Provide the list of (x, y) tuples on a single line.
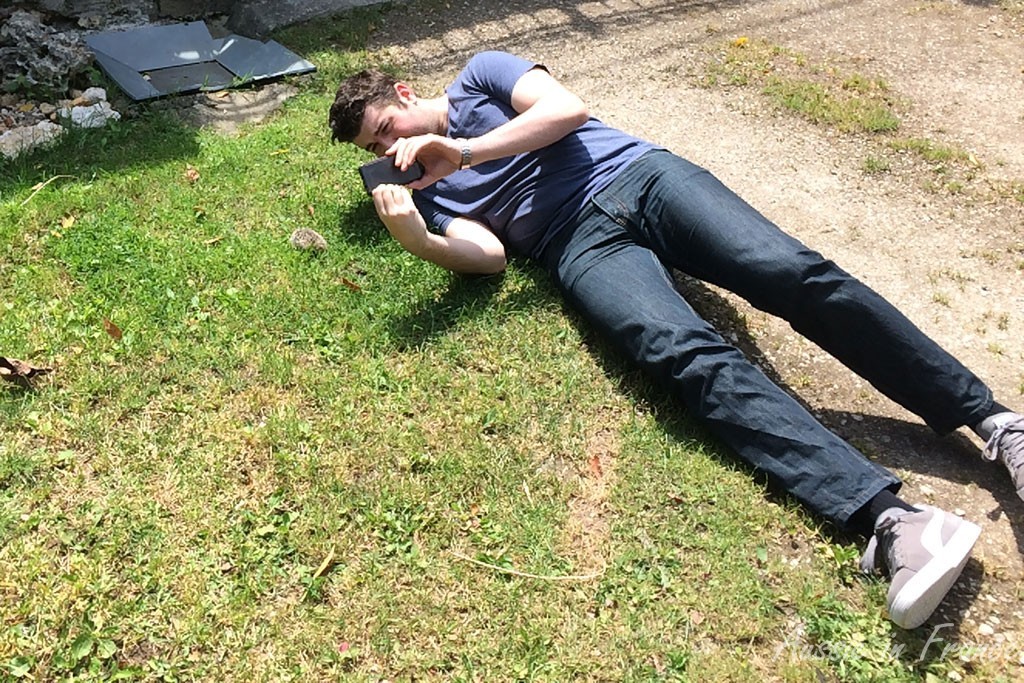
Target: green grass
[(280, 468)]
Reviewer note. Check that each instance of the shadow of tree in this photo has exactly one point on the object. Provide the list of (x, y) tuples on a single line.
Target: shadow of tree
[(453, 28)]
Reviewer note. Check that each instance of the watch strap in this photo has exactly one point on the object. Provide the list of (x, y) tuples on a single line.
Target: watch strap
[(467, 155)]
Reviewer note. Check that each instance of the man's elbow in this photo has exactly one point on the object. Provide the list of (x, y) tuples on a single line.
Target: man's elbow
[(491, 265), (498, 265), (580, 114), (483, 262)]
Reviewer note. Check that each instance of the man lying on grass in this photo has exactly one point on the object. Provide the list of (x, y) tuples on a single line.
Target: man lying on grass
[(514, 164)]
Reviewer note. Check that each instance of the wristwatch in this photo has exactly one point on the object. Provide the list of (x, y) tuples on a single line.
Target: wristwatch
[(467, 155)]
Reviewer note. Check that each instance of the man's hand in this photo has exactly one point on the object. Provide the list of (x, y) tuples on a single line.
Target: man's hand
[(439, 155), (401, 217)]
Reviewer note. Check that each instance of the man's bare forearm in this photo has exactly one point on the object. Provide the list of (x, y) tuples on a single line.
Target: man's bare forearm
[(460, 255)]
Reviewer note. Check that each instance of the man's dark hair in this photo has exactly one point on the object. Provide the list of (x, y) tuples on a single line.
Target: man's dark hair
[(367, 87)]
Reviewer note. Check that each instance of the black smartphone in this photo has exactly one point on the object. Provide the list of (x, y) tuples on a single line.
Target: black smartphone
[(383, 171)]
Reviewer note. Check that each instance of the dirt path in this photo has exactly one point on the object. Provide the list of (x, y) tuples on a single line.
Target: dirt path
[(952, 261)]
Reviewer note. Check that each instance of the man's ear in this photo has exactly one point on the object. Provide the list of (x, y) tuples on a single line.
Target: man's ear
[(406, 95)]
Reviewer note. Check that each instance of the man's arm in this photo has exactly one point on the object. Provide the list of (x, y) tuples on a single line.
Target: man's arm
[(548, 112), (466, 246)]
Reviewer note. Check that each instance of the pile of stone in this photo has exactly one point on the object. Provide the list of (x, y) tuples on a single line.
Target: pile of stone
[(25, 124)]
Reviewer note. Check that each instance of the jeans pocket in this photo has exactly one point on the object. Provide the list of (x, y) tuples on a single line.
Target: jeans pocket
[(613, 205)]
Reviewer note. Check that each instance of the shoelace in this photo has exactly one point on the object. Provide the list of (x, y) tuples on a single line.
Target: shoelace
[(869, 562), (1013, 428), (892, 552)]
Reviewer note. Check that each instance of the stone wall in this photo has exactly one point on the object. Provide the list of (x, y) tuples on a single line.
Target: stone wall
[(106, 10), (38, 58)]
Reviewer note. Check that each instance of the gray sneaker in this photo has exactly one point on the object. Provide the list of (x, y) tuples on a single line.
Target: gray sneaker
[(1007, 445), (923, 553)]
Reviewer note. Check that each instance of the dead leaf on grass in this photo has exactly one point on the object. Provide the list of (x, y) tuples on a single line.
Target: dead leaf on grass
[(191, 174), (19, 372), (325, 565), (351, 285), (112, 329)]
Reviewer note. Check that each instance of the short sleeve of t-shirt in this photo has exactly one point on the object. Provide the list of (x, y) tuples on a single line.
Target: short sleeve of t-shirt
[(526, 198), (479, 100)]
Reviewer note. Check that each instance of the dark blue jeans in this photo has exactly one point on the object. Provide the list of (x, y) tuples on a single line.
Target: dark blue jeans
[(664, 212)]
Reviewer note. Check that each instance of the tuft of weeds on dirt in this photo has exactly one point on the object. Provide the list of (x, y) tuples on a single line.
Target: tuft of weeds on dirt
[(875, 165), (951, 169), (933, 152), (1014, 190), (817, 92)]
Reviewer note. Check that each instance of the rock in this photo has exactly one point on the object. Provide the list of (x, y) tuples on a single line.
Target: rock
[(94, 95), (91, 13), (91, 116), (307, 240), (34, 54), (258, 18), (191, 9), (18, 140)]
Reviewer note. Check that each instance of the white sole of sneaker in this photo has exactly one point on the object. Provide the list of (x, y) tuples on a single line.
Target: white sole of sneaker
[(919, 597)]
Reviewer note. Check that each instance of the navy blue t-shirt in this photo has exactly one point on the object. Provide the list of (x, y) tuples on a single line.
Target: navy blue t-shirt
[(527, 198)]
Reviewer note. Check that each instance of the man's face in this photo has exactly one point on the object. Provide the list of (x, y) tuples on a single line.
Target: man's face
[(383, 125)]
